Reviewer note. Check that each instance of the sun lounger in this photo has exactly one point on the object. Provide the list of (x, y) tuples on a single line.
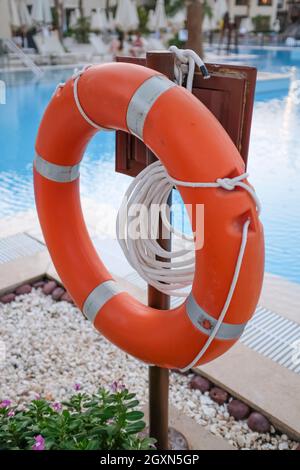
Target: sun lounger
[(50, 48), (100, 48)]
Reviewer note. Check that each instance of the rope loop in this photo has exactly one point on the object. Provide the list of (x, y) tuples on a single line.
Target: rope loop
[(185, 64)]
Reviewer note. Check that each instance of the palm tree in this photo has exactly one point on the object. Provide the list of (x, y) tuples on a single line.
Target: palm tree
[(195, 13)]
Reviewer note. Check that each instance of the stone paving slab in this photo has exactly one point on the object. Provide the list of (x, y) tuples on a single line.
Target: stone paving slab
[(197, 436)]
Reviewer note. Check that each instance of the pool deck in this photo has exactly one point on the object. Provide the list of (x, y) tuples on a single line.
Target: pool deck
[(263, 383), (266, 81)]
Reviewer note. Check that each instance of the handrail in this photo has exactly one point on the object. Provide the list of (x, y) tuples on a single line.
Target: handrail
[(28, 61)]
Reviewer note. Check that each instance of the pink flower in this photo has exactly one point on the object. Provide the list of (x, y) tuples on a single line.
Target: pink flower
[(56, 406), (77, 387), (39, 443), (117, 386), (11, 413), (5, 404)]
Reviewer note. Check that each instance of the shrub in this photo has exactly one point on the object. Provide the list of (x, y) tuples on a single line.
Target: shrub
[(107, 420)]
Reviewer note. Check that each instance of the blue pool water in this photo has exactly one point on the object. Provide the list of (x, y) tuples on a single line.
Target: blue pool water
[(274, 161)]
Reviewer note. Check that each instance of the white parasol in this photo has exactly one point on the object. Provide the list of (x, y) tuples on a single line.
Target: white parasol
[(127, 18), (160, 20), (99, 20), (41, 11)]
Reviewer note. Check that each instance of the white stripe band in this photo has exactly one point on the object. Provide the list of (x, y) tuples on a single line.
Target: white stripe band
[(143, 100), (98, 298), (206, 323), (57, 173)]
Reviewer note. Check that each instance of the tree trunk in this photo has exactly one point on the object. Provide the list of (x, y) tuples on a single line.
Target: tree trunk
[(194, 26), (80, 6), (60, 17)]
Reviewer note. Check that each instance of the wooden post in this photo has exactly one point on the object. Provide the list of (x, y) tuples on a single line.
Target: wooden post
[(159, 378)]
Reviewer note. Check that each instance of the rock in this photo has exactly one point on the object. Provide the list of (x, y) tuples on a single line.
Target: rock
[(38, 284), (58, 293), (180, 372), (209, 412), (241, 440), (200, 383), (24, 289), (259, 423), (49, 287), (218, 395), (67, 298), (283, 446), (238, 410), (7, 298)]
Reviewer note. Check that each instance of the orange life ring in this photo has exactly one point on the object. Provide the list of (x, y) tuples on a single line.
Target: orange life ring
[(172, 123)]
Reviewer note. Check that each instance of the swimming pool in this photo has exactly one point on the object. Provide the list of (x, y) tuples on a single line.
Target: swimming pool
[(274, 161)]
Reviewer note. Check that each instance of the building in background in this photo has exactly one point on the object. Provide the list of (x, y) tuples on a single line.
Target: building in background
[(262, 12)]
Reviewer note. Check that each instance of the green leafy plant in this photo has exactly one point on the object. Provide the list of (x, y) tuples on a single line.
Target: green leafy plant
[(107, 420), (261, 23), (82, 30)]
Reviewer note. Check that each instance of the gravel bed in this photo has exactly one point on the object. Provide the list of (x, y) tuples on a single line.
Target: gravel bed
[(50, 346)]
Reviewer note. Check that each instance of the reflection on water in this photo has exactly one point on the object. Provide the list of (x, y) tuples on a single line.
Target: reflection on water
[(274, 166)]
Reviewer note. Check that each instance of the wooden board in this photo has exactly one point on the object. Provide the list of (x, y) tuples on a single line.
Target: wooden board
[(228, 94)]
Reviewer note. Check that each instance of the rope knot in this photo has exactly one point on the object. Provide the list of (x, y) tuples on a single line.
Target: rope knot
[(226, 183), (231, 183)]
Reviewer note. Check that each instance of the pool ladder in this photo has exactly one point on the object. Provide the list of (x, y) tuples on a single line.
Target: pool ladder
[(27, 60)]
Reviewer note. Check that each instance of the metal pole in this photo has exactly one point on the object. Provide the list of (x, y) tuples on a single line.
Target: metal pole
[(158, 377)]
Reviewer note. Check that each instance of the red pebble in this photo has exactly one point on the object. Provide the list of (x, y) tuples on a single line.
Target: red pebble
[(7, 298), (58, 293), (67, 298), (24, 289), (218, 395), (238, 409), (49, 287), (38, 284), (200, 383), (259, 423)]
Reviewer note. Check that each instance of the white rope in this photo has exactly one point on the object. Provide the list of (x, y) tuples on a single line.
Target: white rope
[(228, 300), (152, 188), (185, 64), (76, 78)]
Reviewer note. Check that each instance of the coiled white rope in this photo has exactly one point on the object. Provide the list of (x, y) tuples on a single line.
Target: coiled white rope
[(151, 189)]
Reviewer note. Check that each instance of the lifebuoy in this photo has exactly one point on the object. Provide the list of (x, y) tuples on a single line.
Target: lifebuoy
[(193, 147)]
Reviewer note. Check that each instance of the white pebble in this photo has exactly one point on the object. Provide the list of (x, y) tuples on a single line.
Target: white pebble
[(50, 347)]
